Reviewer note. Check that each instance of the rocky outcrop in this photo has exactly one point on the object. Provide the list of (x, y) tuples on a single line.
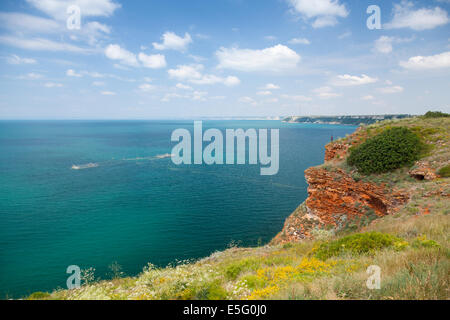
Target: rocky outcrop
[(335, 151), (335, 201), (423, 171), (334, 193)]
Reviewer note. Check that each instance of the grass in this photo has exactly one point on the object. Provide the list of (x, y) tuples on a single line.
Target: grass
[(356, 244), (444, 172)]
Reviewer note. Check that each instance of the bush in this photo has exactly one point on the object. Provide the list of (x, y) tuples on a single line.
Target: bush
[(361, 243), (39, 295), (444, 172), (234, 270), (424, 242), (390, 150), (436, 114)]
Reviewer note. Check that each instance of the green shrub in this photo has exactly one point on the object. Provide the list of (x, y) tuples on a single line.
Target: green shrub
[(436, 114), (390, 150), (287, 245), (444, 172), (39, 295), (234, 270), (361, 243), (212, 291), (424, 242)]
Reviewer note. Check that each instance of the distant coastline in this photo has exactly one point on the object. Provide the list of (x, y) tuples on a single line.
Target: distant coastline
[(355, 120)]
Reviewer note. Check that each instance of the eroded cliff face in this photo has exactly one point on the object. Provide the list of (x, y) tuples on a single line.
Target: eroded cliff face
[(333, 193), (335, 151), (337, 201)]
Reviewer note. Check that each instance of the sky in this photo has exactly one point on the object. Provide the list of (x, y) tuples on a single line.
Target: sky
[(180, 59)]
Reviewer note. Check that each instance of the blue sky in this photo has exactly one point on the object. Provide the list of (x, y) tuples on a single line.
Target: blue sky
[(221, 58)]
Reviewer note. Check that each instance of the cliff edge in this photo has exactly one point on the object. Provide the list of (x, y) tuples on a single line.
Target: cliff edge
[(342, 199)]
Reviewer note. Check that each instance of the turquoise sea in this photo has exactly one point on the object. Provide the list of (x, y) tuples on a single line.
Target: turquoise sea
[(90, 193)]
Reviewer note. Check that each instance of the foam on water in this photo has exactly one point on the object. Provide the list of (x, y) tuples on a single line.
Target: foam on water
[(163, 156), (95, 165), (85, 166)]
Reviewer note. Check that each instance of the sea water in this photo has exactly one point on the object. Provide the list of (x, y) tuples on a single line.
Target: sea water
[(90, 193)]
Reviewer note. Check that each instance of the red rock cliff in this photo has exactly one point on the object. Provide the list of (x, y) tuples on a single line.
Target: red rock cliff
[(336, 200)]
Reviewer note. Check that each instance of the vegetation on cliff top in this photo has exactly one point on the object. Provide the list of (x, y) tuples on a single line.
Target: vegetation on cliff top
[(361, 243), (391, 149), (444, 172), (436, 114)]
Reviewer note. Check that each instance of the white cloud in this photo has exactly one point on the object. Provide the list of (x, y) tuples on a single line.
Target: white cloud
[(297, 98), (384, 44), (173, 42), (32, 76), (23, 25), (89, 8), (271, 100), (155, 61), (40, 44), (368, 97), (202, 36), (115, 52), (347, 80), (146, 87), (94, 74), (193, 74), (207, 79), (186, 72), (72, 73), (264, 93), (199, 95), (196, 96), (248, 100), (345, 35), (405, 16), (121, 67), (15, 59), (93, 31), (26, 23), (270, 38), (326, 93), (108, 93), (231, 81), (197, 59), (169, 96), (390, 90), (438, 61), (53, 85), (183, 86), (324, 12), (271, 86), (299, 41), (322, 22), (95, 26), (277, 58)]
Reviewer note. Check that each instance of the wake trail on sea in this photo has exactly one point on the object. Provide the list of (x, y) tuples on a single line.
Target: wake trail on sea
[(98, 164)]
